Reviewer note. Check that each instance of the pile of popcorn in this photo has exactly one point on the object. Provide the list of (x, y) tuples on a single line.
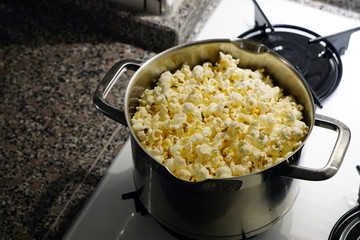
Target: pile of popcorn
[(218, 121)]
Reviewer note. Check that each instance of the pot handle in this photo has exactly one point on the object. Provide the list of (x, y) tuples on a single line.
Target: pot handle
[(336, 157), (106, 85)]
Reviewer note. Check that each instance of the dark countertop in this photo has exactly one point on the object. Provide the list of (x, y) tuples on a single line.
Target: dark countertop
[(54, 146)]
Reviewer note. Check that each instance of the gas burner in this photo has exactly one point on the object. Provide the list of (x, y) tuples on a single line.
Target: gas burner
[(348, 226), (316, 58)]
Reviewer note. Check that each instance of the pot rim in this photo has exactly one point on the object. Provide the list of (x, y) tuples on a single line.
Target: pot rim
[(237, 42)]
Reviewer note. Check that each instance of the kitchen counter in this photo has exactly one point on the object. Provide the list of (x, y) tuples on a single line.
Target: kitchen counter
[(54, 146)]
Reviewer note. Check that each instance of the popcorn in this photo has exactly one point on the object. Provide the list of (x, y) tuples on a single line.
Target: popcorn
[(223, 172), (218, 121)]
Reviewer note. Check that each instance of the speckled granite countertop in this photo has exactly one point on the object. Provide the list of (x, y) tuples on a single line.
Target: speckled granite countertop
[(54, 145)]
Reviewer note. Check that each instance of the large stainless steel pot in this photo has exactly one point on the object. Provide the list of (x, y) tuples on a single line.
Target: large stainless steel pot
[(219, 208)]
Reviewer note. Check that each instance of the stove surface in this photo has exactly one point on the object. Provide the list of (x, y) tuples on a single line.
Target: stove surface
[(319, 204), (108, 216)]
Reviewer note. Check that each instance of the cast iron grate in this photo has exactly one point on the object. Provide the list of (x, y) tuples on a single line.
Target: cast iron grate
[(317, 58)]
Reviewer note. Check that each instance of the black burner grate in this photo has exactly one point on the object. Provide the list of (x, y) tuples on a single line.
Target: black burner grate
[(319, 64), (315, 57)]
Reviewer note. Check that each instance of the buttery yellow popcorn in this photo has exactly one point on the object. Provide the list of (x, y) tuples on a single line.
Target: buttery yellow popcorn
[(218, 121)]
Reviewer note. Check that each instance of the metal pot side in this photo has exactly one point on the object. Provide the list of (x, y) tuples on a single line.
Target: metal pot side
[(214, 208)]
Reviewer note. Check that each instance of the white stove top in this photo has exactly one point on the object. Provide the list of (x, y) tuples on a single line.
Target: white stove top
[(319, 204)]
